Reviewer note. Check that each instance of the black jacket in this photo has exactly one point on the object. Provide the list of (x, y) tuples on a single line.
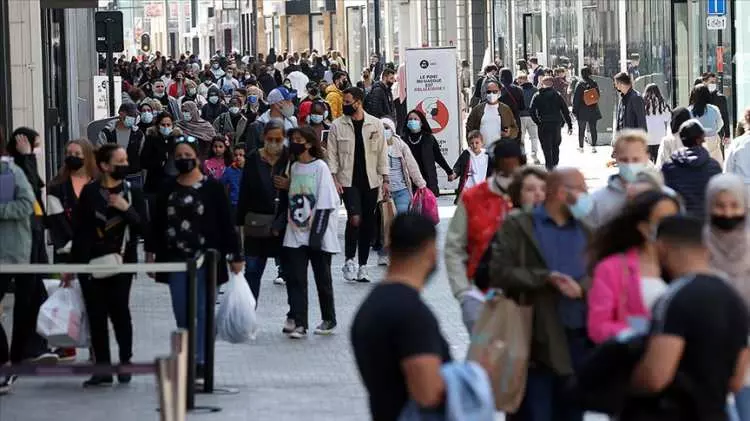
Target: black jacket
[(427, 153), (258, 195), (92, 214), (634, 112), (157, 159), (379, 102), (61, 202), (134, 147), (720, 101), (461, 169), (217, 226), (688, 175), (266, 83), (529, 90), (548, 107), (582, 111), (512, 96)]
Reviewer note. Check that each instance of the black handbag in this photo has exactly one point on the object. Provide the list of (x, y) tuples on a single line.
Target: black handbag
[(260, 225)]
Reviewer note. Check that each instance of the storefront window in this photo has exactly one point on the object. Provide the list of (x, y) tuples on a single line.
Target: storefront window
[(601, 41), (502, 37), (527, 30), (649, 56), (562, 33)]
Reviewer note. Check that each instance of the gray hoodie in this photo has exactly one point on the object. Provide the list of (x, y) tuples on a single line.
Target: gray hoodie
[(15, 218), (608, 202)]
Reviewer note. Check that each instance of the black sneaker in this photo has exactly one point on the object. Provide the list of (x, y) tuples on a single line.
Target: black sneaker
[(45, 358), (99, 381), (289, 326), (325, 328), (124, 378), (298, 333), (7, 384)]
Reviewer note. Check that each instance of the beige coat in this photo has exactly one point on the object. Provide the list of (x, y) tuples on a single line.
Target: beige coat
[(409, 165), (340, 152)]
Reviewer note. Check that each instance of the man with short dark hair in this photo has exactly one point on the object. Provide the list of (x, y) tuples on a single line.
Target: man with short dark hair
[(379, 102), (548, 110), (357, 157), (395, 337), (631, 110), (699, 330), (720, 101), (124, 132)]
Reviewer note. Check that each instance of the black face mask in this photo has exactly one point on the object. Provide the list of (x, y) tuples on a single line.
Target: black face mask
[(119, 172), (74, 163), (726, 223), (349, 109), (312, 93), (297, 149), (184, 165)]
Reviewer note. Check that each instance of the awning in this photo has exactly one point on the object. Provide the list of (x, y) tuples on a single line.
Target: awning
[(69, 4)]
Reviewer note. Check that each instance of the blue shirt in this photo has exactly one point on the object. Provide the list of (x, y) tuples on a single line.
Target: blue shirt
[(231, 178), (563, 248)]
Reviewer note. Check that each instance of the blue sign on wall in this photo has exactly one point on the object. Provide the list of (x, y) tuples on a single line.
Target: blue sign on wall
[(717, 7)]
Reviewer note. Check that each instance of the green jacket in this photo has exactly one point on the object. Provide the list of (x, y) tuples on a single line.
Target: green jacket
[(519, 269), (15, 217)]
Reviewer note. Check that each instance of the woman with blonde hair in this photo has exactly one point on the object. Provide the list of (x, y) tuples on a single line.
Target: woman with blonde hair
[(78, 169)]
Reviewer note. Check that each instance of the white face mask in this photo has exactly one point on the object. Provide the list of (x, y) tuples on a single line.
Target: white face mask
[(492, 98), (187, 116), (387, 133), (712, 87)]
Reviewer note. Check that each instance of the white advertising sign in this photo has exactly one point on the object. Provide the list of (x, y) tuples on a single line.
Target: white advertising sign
[(101, 96), (432, 87)]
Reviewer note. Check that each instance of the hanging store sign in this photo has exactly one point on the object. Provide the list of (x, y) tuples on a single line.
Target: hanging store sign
[(716, 23), (432, 87)]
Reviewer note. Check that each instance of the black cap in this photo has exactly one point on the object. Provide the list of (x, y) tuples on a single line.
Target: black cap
[(128, 108)]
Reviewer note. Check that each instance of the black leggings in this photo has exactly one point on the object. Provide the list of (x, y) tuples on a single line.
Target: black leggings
[(362, 203), (582, 132), (109, 299), (296, 285)]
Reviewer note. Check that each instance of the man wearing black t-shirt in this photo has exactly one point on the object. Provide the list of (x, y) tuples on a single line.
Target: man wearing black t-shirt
[(396, 339), (357, 155), (698, 342)]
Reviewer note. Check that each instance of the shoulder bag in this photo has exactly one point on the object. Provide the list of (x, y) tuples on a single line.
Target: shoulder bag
[(113, 260), (260, 225), (590, 95)]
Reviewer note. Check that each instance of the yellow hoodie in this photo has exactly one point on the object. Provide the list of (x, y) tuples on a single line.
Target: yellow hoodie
[(335, 98)]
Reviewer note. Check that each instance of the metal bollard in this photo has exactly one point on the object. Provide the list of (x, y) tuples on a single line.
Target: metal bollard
[(192, 293), (211, 266), (179, 347), (165, 380)]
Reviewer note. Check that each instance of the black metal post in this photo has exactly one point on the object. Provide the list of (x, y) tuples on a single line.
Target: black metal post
[(110, 79), (376, 22), (192, 301), (211, 266)]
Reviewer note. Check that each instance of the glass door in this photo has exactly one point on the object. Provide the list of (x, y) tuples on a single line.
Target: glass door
[(532, 36), (681, 61)]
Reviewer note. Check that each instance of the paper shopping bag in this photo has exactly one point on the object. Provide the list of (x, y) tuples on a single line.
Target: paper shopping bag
[(387, 212), (503, 335)]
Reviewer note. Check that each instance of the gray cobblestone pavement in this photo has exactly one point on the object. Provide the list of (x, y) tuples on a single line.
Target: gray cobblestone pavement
[(278, 379)]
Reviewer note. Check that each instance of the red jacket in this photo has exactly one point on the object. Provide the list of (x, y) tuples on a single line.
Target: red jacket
[(485, 212)]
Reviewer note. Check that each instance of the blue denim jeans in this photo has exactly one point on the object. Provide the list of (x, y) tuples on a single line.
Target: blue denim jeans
[(545, 398), (402, 199), (741, 410), (178, 288), (254, 267)]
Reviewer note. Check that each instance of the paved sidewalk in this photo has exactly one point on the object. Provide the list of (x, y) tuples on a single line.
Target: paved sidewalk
[(278, 379)]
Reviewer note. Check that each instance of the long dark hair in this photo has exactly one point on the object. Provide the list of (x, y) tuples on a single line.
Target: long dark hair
[(426, 130), (679, 116), (311, 137), (699, 99), (228, 154), (654, 100), (621, 234)]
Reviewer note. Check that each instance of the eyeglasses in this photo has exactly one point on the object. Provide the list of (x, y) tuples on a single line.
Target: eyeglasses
[(186, 139)]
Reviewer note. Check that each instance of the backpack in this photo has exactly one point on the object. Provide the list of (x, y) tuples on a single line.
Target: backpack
[(7, 183), (590, 96)]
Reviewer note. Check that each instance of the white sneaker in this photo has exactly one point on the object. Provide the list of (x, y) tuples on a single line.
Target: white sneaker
[(362, 275), (383, 260), (279, 281), (350, 270), (593, 149)]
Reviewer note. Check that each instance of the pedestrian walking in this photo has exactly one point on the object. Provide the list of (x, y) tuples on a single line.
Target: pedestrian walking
[(586, 108), (548, 110), (658, 116)]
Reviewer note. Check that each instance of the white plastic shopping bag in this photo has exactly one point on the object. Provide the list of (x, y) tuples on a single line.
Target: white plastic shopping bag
[(62, 319), (236, 321)]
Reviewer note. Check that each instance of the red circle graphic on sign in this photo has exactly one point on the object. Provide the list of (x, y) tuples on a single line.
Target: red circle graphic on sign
[(436, 112)]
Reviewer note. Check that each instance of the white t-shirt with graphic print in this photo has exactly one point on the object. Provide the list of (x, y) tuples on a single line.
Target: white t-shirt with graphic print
[(311, 189)]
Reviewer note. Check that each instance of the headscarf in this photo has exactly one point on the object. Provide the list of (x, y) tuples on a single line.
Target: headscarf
[(730, 250), (196, 127)]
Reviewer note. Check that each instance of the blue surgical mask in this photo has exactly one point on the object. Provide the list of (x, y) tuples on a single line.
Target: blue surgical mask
[(252, 99), (166, 131), (582, 207), (187, 115), (129, 121), (213, 99), (629, 171), (316, 118), (147, 117), (234, 110), (414, 125)]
